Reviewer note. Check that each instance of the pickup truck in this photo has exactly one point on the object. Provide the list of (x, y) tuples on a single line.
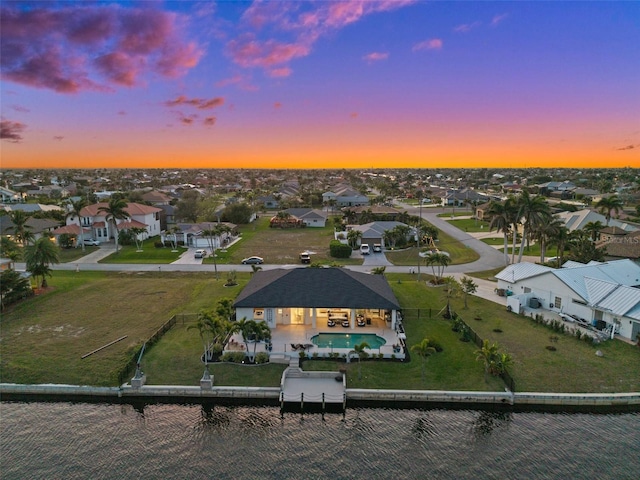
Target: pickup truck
[(305, 258)]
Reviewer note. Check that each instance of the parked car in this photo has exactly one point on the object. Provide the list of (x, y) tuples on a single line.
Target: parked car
[(305, 257), (91, 242), (252, 261), (200, 254), (364, 249), (377, 248)]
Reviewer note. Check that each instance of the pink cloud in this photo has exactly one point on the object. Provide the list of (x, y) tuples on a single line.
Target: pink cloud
[(277, 105), (466, 27), (11, 131), (248, 52), (353, 115), (58, 138), (279, 72), (375, 57), (92, 46), (209, 121), (199, 103), (432, 44), (303, 22), (498, 19)]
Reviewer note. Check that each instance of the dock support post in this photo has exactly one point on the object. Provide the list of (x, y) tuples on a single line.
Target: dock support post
[(323, 405), (344, 405), (282, 404)]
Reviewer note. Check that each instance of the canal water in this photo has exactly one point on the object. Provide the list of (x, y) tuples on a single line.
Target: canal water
[(40, 440)]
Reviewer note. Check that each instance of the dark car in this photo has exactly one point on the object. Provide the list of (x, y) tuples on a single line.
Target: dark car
[(253, 261)]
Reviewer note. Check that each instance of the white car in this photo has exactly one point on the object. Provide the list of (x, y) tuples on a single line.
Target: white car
[(200, 254), (364, 249), (91, 242), (377, 248)]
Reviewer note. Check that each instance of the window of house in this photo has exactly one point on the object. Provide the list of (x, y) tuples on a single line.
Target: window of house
[(527, 290), (557, 303)]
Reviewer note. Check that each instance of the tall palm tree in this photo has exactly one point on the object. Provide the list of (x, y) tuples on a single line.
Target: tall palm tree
[(533, 211), (593, 228), (501, 221), (606, 205), (115, 210), (353, 237), (21, 231), (545, 232), (38, 256), (74, 209), (424, 350), (561, 239), (135, 233)]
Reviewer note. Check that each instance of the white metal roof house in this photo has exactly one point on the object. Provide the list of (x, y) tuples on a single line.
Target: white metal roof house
[(606, 292), (577, 220)]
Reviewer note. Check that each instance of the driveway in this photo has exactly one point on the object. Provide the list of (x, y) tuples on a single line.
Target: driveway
[(376, 259)]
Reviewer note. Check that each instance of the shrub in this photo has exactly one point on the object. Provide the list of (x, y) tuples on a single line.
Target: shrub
[(216, 348), (339, 250), (158, 244), (262, 357), (303, 355), (315, 355), (238, 357), (227, 357)]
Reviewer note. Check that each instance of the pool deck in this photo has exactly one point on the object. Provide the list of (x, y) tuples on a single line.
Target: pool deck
[(284, 336)]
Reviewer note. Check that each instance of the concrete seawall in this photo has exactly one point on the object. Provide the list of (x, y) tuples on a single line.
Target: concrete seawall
[(355, 397)]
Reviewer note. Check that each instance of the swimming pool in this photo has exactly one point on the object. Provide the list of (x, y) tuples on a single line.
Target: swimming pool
[(347, 340)]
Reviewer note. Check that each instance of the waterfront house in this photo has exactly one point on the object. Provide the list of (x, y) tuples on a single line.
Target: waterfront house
[(606, 295)]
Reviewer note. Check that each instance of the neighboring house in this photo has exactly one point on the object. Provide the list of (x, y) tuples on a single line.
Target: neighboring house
[(156, 198), (32, 207), (373, 232), (94, 221), (310, 217), (9, 196), (191, 234), (345, 197), (6, 264), (577, 220), (38, 227), (621, 246), (604, 294), (268, 202), (377, 211), (283, 297), (464, 197)]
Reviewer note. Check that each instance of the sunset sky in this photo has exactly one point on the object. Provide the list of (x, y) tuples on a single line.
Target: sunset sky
[(319, 84)]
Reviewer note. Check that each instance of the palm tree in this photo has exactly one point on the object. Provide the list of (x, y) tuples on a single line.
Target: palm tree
[(488, 354), (359, 350), (254, 331), (606, 205), (38, 256), (424, 350), (501, 221), (136, 232), (545, 232), (173, 235), (21, 231), (115, 210), (593, 228), (353, 237), (533, 211), (9, 248), (74, 209), (469, 287), (561, 239), (438, 262)]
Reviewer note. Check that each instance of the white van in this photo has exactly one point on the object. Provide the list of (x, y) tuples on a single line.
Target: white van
[(364, 249)]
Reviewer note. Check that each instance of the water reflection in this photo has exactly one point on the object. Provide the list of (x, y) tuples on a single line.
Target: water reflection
[(486, 422)]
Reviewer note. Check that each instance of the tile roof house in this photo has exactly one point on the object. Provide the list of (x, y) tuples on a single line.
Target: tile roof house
[(94, 221), (605, 294), (300, 296), (373, 232)]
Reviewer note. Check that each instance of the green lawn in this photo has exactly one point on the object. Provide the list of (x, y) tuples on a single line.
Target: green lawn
[(459, 252), (43, 339), (458, 213), (68, 255), (470, 225), (149, 253), (486, 274)]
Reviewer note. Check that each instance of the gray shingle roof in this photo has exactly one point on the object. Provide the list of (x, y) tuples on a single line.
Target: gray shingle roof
[(317, 287)]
